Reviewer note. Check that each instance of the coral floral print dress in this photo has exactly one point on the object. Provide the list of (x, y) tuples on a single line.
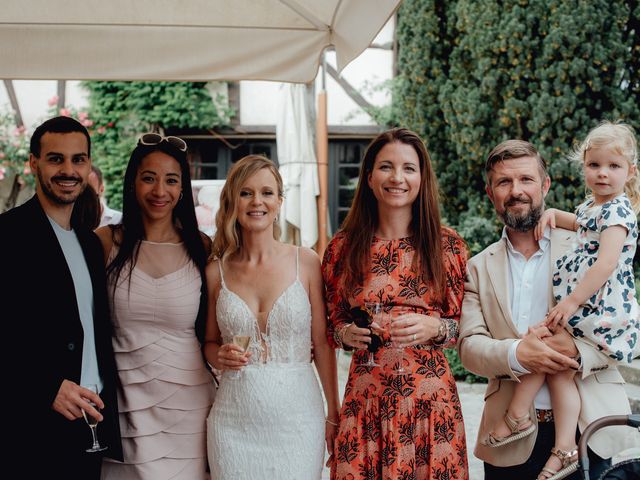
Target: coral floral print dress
[(399, 426)]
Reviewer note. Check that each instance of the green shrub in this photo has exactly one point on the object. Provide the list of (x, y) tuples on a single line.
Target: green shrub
[(473, 74)]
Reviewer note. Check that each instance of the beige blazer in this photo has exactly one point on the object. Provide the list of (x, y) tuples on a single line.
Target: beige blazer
[(487, 331)]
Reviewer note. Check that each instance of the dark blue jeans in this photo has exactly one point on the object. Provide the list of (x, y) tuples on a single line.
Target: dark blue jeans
[(541, 451)]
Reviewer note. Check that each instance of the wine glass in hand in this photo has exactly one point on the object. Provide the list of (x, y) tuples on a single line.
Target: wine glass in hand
[(399, 350), (92, 421), (243, 342), (372, 310)]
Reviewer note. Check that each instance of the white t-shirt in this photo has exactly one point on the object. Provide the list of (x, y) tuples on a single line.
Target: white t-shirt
[(84, 296)]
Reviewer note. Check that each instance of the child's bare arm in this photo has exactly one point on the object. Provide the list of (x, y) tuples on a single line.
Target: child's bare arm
[(553, 218), (611, 244)]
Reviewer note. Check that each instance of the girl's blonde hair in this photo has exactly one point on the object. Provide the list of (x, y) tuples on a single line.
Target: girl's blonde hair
[(228, 237), (620, 137)]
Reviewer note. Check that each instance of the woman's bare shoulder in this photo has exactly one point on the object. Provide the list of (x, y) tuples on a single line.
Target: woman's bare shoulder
[(108, 235), (308, 256)]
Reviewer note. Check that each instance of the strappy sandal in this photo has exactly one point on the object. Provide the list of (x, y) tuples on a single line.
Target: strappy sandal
[(569, 461), (517, 432)]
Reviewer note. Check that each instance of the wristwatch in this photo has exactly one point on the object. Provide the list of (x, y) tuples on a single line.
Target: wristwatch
[(442, 333)]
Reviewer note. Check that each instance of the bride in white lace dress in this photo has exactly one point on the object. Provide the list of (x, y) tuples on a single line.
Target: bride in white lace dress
[(268, 419)]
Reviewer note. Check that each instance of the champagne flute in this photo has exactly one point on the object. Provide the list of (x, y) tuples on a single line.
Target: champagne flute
[(399, 370), (373, 309), (243, 342), (92, 421)]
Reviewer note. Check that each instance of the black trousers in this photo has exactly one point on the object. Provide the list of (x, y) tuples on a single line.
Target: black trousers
[(541, 451)]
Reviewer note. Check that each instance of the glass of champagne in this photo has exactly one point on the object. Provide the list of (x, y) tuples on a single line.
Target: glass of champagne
[(399, 370), (92, 422), (374, 310), (243, 342)]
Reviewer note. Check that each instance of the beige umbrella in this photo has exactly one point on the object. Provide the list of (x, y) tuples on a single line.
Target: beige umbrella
[(190, 40), (183, 39)]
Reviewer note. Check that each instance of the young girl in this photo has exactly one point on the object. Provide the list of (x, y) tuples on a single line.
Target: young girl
[(593, 285)]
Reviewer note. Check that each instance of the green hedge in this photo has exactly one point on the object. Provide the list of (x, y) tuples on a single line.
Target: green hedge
[(472, 74)]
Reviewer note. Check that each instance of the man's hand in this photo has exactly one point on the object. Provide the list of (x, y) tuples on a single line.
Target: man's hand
[(535, 356), (541, 331), (562, 341), (72, 399)]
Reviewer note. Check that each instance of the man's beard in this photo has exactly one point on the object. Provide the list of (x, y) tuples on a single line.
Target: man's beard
[(523, 222), (48, 191)]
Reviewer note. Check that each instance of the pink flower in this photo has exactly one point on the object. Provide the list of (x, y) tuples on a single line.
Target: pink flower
[(27, 169), (2, 155), (101, 129), (2, 170), (65, 112), (83, 116), (19, 131), (87, 123), (53, 101), (110, 124)]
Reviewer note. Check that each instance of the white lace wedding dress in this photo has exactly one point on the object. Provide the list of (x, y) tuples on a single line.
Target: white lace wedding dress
[(268, 421)]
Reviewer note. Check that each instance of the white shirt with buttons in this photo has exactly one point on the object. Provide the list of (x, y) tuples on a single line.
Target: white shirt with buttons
[(529, 283)]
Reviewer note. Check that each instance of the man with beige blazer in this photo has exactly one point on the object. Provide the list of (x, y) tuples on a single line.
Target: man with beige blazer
[(508, 290)]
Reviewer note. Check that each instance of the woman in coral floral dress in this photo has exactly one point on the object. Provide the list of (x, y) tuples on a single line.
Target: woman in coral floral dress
[(392, 250)]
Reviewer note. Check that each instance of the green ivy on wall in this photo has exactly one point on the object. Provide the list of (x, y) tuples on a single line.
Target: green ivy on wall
[(123, 110), (472, 74)]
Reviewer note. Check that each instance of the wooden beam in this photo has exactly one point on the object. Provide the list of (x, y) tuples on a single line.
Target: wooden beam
[(382, 46), (234, 101), (8, 84), (62, 94), (349, 89)]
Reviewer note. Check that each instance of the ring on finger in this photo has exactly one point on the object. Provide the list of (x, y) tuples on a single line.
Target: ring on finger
[(414, 337)]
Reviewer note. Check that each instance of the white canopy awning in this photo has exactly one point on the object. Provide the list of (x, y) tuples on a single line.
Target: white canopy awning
[(190, 40)]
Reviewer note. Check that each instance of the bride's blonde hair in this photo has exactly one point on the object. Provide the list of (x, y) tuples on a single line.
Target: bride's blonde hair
[(228, 236)]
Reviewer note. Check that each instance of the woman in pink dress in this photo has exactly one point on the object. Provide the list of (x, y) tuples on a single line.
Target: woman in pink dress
[(157, 290)]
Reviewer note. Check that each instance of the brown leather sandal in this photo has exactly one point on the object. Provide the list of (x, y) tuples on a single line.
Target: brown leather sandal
[(517, 431), (569, 461)]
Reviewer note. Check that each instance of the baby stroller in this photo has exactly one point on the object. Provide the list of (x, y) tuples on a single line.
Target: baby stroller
[(625, 470)]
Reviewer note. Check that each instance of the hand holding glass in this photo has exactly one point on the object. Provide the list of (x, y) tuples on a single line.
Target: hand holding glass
[(92, 422), (243, 342), (374, 310)]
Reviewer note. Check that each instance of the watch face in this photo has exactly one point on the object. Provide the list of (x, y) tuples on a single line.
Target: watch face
[(442, 332)]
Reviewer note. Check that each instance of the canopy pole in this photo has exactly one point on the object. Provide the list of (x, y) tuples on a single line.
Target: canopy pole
[(322, 152), (11, 93)]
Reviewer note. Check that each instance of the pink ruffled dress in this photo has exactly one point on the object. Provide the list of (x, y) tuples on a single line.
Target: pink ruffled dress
[(166, 392)]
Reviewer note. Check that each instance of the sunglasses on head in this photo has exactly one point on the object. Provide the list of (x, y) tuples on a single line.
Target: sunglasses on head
[(156, 139)]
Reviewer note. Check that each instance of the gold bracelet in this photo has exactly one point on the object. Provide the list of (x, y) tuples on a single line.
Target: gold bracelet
[(341, 332), (330, 422)]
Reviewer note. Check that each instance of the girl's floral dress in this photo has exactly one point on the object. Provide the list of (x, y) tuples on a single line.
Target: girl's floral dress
[(399, 426), (609, 319)]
